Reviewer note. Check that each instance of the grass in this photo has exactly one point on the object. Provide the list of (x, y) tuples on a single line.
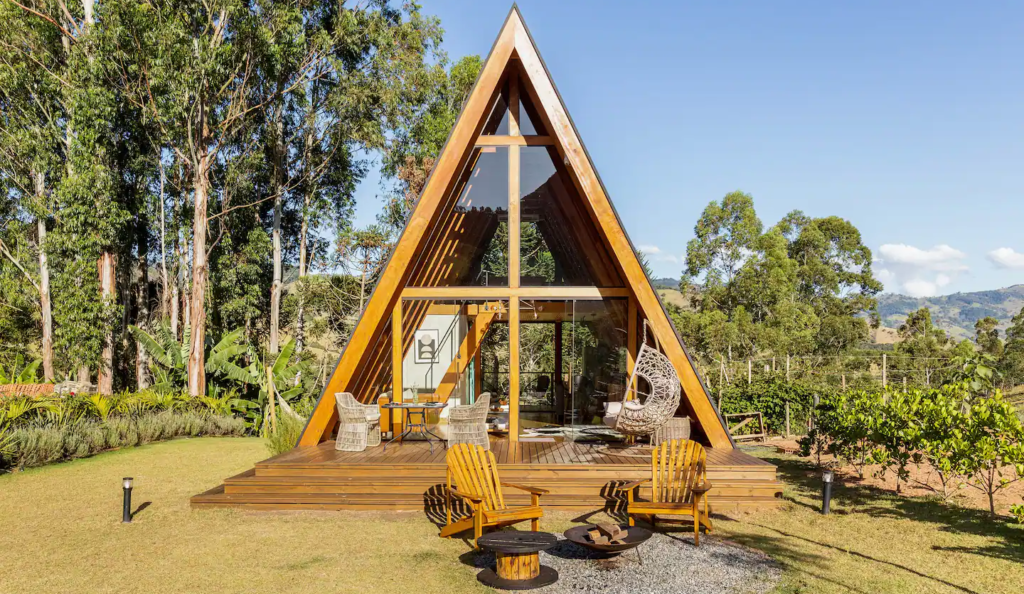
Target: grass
[(62, 533), (875, 541)]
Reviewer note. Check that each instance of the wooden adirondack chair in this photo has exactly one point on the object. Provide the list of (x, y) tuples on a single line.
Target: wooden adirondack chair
[(475, 474), (678, 481)]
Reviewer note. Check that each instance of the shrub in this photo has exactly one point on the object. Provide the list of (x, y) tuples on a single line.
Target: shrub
[(897, 433), (991, 439), (843, 426), (769, 395), (46, 442), (289, 428)]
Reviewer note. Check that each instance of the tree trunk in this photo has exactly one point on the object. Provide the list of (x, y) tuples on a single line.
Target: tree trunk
[(45, 308), (165, 281), (105, 376), (142, 297), (197, 321), (300, 315), (277, 187)]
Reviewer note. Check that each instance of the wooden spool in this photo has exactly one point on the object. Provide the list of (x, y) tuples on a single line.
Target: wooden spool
[(517, 560), (518, 566)]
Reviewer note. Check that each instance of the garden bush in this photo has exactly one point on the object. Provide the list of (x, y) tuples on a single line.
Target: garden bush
[(289, 428), (769, 395), (37, 431), (966, 439), (38, 444)]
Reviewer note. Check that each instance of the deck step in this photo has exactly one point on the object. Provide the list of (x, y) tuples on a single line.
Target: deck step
[(592, 489), (366, 501), (411, 477)]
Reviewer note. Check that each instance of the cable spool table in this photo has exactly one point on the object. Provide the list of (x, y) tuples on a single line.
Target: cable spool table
[(518, 561)]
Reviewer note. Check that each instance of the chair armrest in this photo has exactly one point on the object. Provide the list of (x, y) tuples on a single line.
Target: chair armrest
[(533, 490), (702, 488), (632, 485), (472, 498)]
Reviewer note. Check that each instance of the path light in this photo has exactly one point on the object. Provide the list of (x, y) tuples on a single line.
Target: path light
[(826, 491), (126, 484)]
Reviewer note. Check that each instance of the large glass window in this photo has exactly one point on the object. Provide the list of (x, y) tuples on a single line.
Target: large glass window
[(572, 362), (468, 245), (559, 245)]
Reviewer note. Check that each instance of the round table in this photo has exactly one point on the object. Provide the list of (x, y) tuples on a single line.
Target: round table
[(518, 562), (416, 409)]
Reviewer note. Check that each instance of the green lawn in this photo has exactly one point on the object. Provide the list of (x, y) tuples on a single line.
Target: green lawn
[(62, 533)]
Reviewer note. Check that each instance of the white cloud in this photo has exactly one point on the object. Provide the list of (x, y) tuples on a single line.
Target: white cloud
[(919, 272), (920, 288), (1005, 257), (941, 257), (656, 254)]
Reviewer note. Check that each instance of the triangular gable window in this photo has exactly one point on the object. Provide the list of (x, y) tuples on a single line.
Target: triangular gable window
[(512, 97)]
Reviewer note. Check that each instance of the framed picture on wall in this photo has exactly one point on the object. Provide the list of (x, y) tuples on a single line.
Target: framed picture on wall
[(426, 344)]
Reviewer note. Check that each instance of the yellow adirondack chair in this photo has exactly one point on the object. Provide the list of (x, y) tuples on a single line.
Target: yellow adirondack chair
[(678, 481), (475, 474)]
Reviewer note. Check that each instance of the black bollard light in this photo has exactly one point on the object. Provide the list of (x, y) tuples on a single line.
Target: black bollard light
[(126, 515), (826, 491)]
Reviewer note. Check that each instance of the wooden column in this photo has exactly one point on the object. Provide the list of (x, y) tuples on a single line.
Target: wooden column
[(397, 359), (631, 346), (513, 368), (514, 218)]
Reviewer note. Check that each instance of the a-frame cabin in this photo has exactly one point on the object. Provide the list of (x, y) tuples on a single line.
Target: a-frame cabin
[(513, 277)]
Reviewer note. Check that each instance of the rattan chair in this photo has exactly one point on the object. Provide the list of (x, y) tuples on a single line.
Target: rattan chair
[(358, 424), (468, 424)]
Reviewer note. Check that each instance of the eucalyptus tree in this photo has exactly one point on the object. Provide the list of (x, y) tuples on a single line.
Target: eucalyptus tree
[(32, 115), (804, 286)]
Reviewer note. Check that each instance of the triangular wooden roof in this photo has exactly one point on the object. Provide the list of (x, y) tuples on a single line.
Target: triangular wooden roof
[(513, 43)]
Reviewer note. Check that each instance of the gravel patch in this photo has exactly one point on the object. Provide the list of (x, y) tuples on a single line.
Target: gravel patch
[(671, 565)]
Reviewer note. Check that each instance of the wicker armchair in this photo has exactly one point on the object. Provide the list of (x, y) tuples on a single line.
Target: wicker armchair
[(468, 424), (358, 424)]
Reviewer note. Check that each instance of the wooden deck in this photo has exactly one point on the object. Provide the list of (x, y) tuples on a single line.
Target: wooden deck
[(410, 477)]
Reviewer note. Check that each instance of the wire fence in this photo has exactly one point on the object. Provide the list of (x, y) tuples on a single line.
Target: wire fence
[(844, 371)]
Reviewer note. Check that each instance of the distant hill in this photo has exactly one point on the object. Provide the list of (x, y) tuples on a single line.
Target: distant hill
[(665, 283), (955, 313)]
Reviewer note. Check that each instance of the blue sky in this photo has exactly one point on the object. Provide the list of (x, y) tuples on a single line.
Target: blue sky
[(905, 118)]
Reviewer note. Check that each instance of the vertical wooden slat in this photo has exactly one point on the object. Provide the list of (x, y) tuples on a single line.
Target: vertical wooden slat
[(397, 361), (513, 368), (513, 101)]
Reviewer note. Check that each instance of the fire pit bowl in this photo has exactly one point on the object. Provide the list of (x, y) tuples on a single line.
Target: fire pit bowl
[(635, 536)]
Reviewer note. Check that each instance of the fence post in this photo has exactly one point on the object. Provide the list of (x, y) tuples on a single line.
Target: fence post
[(773, 364), (844, 382), (787, 420), (787, 375), (884, 365), (904, 384)]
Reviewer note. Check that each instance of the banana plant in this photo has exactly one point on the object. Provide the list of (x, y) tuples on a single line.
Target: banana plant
[(280, 377), (169, 357), (19, 373)]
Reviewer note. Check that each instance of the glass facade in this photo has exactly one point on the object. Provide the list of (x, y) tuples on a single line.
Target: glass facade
[(558, 243), (469, 244)]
